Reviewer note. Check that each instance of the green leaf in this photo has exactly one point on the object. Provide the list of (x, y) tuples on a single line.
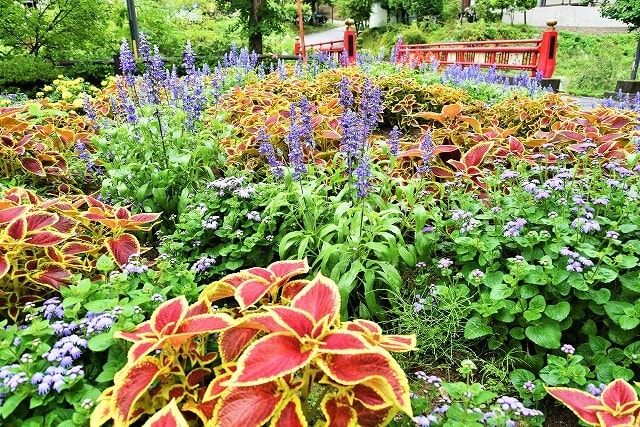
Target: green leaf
[(627, 322), (493, 279), (627, 228), (476, 327), (101, 305), (622, 372), (517, 333), (559, 311), (520, 376), (626, 261), (528, 291), (545, 334), (500, 291), (537, 303), (101, 342), (598, 344), (530, 315), (605, 275), (12, 402), (615, 309), (631, 281), (576, 281)]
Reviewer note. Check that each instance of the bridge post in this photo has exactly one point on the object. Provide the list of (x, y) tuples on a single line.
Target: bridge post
[(350, 41), (547, 50), (296, 46)]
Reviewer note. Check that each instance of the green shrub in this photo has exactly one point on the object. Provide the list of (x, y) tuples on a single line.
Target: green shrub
[(414, 35), (25, 74)]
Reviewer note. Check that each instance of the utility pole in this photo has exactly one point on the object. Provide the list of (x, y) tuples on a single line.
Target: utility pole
[(133, 27), (303, 49)]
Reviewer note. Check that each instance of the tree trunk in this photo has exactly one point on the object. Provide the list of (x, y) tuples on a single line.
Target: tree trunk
[(255, 43), (634, 69), (255, 35)]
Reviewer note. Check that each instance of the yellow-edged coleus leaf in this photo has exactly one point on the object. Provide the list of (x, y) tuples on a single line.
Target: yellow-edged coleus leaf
[(196, 376), (223, 288), (338, 411), (368, 395), (291, 319), (271, 357), (216, 387), (45, 238), (351, 369), (347, 342), (167, 317), (38, 220), (284, 270), (131, 383), (374, 417), (319, 298), (17, 229), (398, 343), (33, 165), (289, 415), (373, 332), (232, 341), (292, 288), (169, 416), (247, 406), (53, 275), (122, 247), (251, 291), (11, 213), (4, 265), (202, 323), (102, 411), (143, 331)]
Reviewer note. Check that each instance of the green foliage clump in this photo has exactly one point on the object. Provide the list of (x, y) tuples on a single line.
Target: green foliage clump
[(25, 74)]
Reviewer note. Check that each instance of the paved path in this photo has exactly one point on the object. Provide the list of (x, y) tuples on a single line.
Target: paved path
[(325, 36)]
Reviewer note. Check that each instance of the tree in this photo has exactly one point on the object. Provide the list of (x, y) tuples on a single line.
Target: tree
[(52, 28), (358, 10), (627, 11), (257, 17), (418, 8)]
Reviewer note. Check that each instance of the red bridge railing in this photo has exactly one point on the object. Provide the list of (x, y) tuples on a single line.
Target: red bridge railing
[(534, 55), (346, 44)]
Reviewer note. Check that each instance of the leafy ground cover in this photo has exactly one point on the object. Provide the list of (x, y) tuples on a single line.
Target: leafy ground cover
[(309, 243)]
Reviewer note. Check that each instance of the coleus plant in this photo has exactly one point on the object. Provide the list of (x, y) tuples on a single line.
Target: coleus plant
[(281, 354), (44, 242), (617, 405)]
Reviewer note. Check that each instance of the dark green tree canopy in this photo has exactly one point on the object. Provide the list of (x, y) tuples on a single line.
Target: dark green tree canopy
[(53, 27)]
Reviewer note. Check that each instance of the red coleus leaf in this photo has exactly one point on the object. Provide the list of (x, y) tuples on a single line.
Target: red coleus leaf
[(131, 383), (292, 288), (203, 323), (580, 402), (232, 341), (619, 394), (143, 330), (33, 165), (196, 376), (271, 357), (610, 420), (73, 248), (36, 221), (53, 275), (442, 172), (247, 406), (121, 248), (285, 270), (141, 348), (321, 298), (290, 415), (102, 411), (343, 342), (12, 213), (4, 265), (45, 238), (369, 396), (167, 317), (216, 387), (338, 412), (475, 155), (250, 292), (17, 229), (169, 416), (351, 369), (294, 320), (398, 343)]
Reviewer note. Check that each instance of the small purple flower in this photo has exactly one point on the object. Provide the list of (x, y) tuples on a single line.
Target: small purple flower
[(394, 140), (611, 234), (444, 263), (568, 349), (426, 151), (509, 174), (266, 149), (529, 386)]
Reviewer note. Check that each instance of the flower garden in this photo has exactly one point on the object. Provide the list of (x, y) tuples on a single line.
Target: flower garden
[(262, 243)]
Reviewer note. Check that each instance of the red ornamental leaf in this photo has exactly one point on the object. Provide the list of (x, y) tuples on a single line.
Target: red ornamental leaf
[(247, 406), (339, 414), (196, 376), (356, 368), (580, 402), (320, 298), (46, 238), (122, 213), (291, 415), (232, 341), (515, 146), (269, 358), (145, 218), (343, 342), (215, 387), (294, 320), (73, 248), (143, 330), (442, 172), (130, 384), (618, 393), (609, 420), (17, 228), (4, 265), (250, 292), (475, 155), (141, 348), (286, 269), (362, 325), (12, 213), (102, 411), (205, 323), (121, 248), (398, 343), (169, 416), (34, 166), (369, 397), (54, 276), (166, 318), (292, 288), (374, 417), (36, 221)]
